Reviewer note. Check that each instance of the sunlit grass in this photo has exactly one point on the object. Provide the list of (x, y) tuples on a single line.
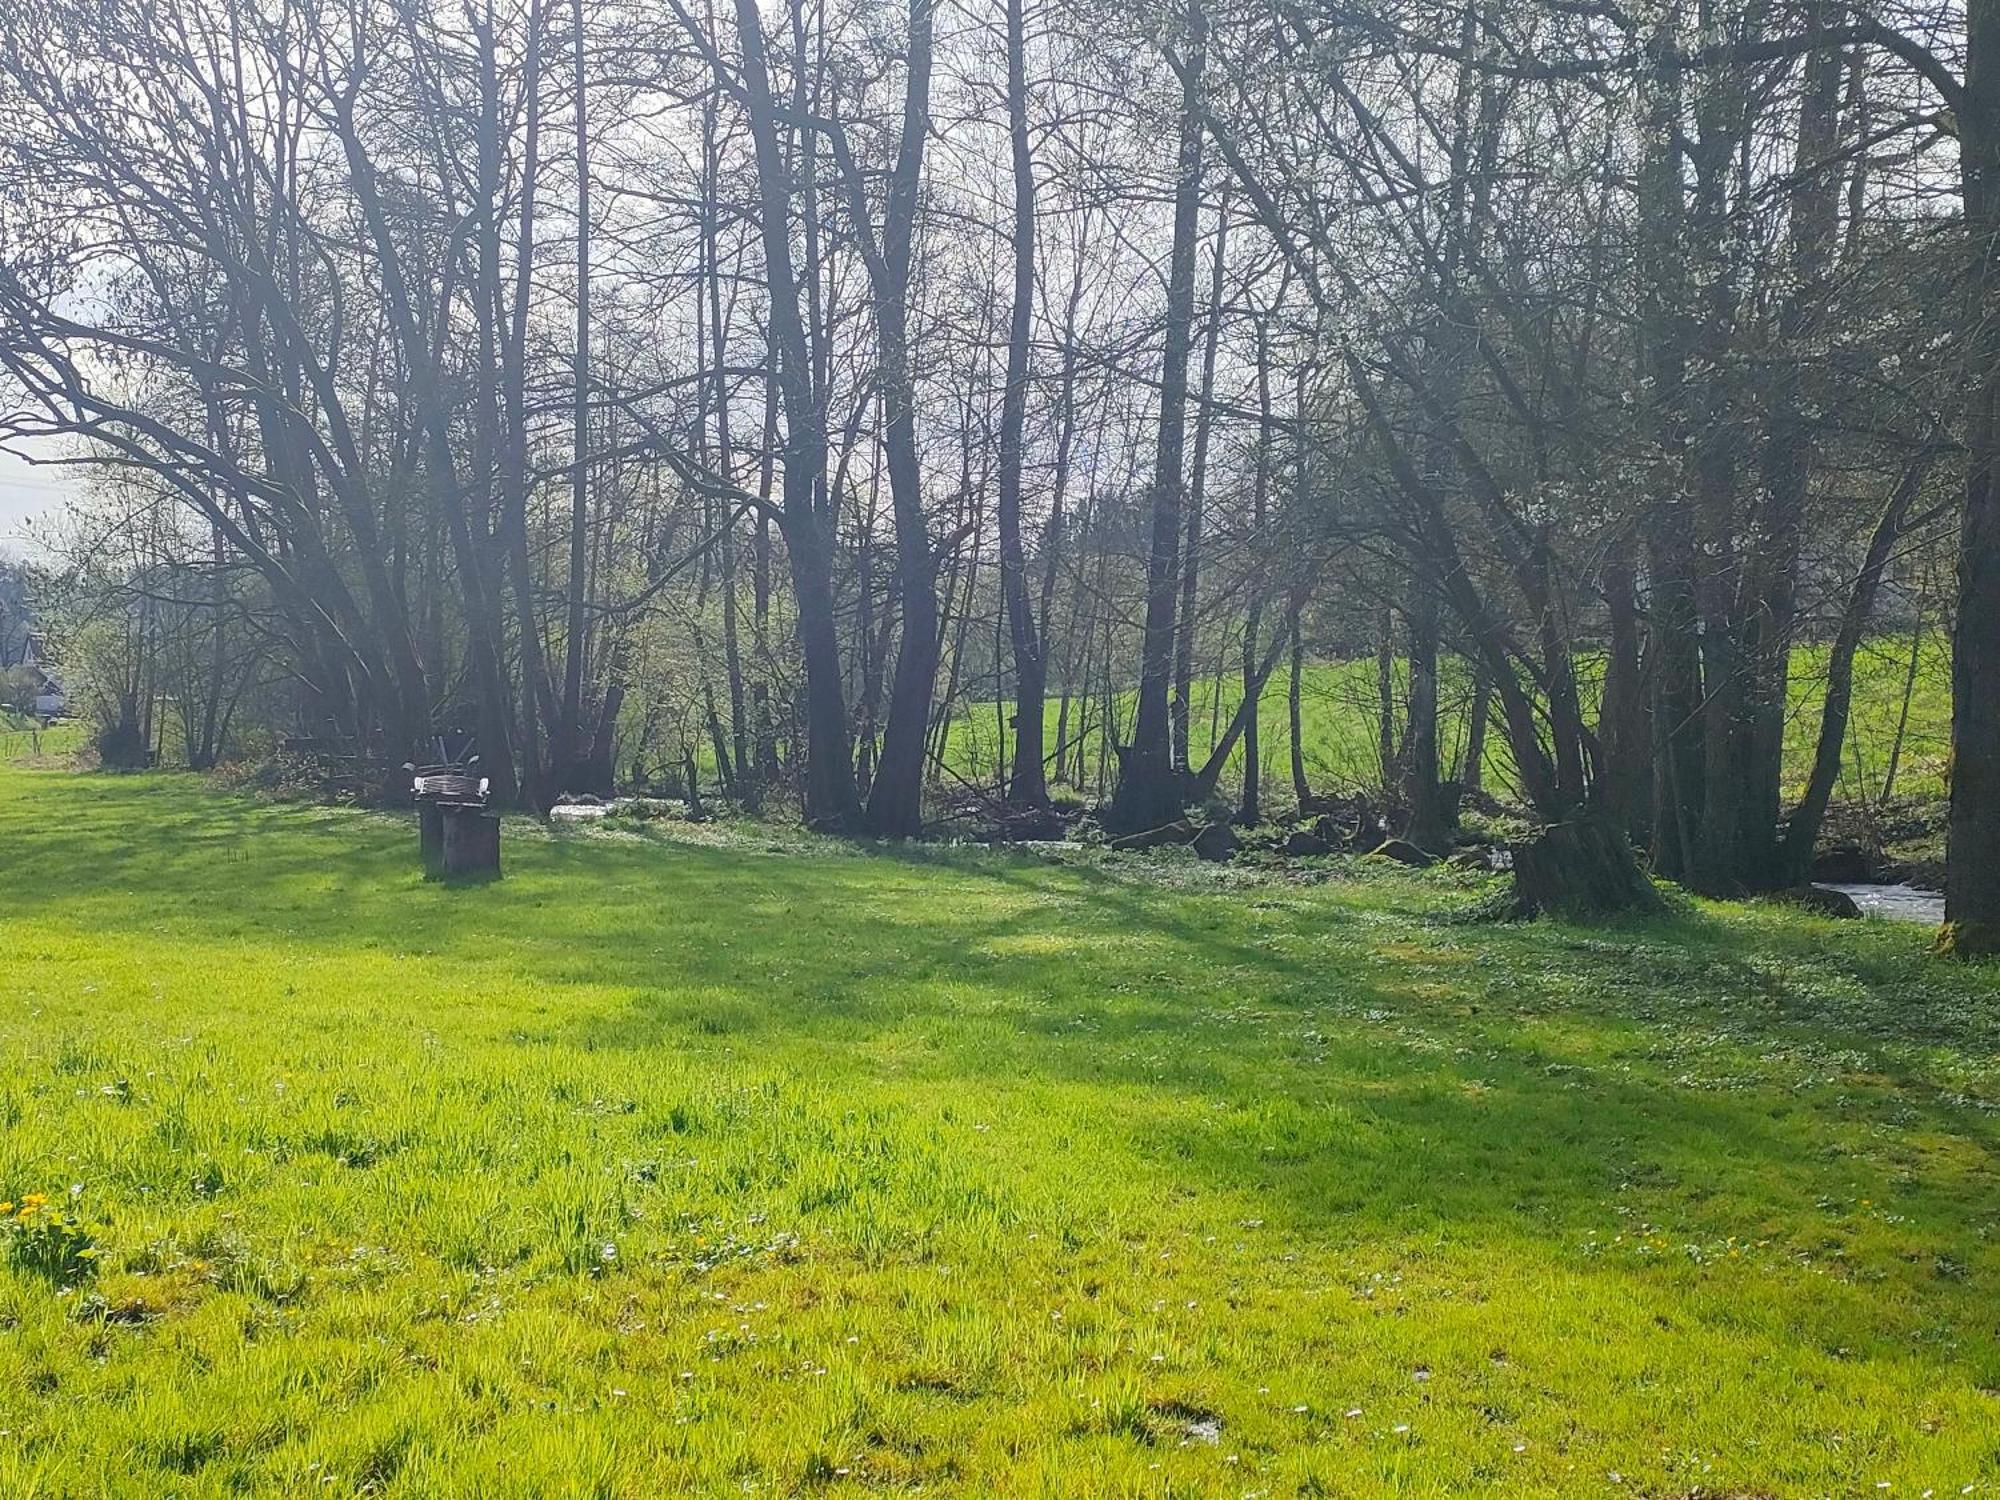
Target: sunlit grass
[(1339, 716), (23, 739), (730, 1162)]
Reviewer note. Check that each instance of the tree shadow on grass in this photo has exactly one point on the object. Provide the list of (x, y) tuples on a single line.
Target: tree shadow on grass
[(1349, 1071)]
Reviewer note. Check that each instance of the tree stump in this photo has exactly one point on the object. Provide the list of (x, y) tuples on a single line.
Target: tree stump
[(1584, 868), (471, 844), (1217, 843)]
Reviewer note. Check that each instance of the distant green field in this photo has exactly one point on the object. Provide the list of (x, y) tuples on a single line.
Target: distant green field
[(22, 739), (1338, 710), (721, 1161), (1339, 717)]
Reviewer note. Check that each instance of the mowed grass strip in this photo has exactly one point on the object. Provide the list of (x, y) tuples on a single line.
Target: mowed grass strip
[(718, 1163)]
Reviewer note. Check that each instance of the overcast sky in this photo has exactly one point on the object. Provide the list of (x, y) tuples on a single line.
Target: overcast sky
[(28, 494)]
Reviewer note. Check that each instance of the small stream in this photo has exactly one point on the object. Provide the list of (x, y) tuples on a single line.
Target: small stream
[(1899, 903)]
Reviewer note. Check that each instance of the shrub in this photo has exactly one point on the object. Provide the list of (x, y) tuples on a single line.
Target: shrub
[(121, 747)]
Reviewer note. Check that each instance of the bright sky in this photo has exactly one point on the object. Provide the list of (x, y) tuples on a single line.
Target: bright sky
[(28, 494)]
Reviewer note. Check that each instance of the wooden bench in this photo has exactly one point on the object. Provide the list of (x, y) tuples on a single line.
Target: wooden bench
[(458, 836)]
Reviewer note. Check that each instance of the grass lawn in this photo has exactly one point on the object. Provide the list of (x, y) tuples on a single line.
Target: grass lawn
[(710, 1163)]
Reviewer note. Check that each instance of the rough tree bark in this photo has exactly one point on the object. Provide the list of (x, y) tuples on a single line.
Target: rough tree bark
[(829, 795), (895, 800), (1028, 787), (1150, 791), (568, 750), (1204, 430), (1972, 860), (1250, 810)]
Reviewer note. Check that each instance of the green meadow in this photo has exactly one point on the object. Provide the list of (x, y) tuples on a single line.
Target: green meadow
[(1339, 715), (720, 1161)]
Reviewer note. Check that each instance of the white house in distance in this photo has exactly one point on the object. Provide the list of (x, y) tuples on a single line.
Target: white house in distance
[(50, 701)]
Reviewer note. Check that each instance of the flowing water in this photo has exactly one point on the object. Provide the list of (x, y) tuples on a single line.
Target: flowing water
[(1900, 903)]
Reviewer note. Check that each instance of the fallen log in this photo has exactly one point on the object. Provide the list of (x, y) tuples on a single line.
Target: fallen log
[(1181, 831)]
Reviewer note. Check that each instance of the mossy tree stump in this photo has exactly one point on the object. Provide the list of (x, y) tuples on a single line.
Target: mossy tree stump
[(1583, 868)]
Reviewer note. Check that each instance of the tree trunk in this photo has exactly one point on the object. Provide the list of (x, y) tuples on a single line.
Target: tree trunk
[(895, 801), (1251, 811), (1769, 856), (1386, 768), (732, 646), (1622, 729), (537, 696), (768, 768), (1582, 868), (1294, 713), (1972, 859), (1472, 773), (1897, 739), (830, 801), (829, 796), (1204, 427), (1432, 813), (1673, 654), (569, 749), (1150, 792), (1802, 827), (1028, 787)]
